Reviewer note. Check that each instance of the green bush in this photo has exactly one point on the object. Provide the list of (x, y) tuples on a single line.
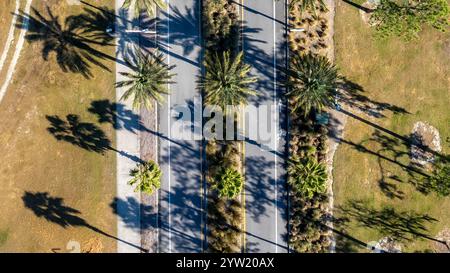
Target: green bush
[(307, 177), (220, 25), (228, 182), (405, 18), (147, 177)]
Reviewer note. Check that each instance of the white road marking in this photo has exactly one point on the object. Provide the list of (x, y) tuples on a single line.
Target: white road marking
[(168, 123), (19, 45), (276, 121), (10, 38)]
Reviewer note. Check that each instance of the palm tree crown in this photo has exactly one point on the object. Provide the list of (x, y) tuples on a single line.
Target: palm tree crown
[(149, 5), (149, 80), (312, 83), (307, 176), (146, 177), (226, 80)]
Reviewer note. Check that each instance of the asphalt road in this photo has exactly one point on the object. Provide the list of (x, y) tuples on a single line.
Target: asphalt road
[(265, 191), (181, 218)]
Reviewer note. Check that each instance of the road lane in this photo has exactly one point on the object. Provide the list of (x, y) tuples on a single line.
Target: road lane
[(181, 215), (265, 187)]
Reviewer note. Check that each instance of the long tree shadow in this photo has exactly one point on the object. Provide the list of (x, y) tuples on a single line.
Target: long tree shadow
[(85, 135), (184, 197), (259, 184), (117, 115), (404, 226), (55, 211), (406, 140), (351, 93), (179, 28), (72, 46)]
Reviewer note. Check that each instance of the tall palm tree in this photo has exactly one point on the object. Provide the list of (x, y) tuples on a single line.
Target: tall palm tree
[(312, 83), (149, 5), (227, 80), (148, 82)]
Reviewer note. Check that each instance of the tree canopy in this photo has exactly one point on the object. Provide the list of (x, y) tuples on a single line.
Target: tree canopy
[(406, 18), (307, 176), (312, 83), (228, 181), (147, 177)]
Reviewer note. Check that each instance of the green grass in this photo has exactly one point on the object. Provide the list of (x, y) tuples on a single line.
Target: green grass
[(3, 236), (415, 77)]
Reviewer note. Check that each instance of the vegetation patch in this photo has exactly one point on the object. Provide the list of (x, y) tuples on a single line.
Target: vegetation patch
[(224, 158), (312, 84), (379, 192)]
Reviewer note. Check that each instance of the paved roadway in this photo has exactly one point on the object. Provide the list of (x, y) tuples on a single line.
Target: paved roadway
[(265, 191), (181, 218)]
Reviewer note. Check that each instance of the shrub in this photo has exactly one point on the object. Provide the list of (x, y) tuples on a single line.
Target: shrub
[(307, 176), (147, 177), (228, 182)]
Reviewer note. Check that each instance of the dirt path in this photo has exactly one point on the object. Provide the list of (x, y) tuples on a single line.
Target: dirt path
[(19, 46), (10, 38)]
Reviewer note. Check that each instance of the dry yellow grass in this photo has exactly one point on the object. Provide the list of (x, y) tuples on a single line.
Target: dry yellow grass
[(34, 161), (414, 76)]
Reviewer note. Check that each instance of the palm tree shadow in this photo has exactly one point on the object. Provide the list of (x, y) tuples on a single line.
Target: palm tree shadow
[(117, 115), (403, 226), (82, 134), (72, 42), (351, 93), (85, 135), (53, 210)]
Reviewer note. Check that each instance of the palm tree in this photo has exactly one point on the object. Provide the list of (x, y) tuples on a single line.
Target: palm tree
[(312, 83), (149, 80), (226, 81), (147, 177), (228, 182), (307, 176), (149, 5), (311, 5)]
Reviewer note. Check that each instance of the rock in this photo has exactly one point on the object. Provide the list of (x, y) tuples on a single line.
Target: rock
[(424, 135)]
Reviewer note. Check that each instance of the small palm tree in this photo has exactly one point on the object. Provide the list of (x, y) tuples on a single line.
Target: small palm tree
[(149, 80), (312, 83), (228, 182), (307, 176), (227, 80), (311, 5), (149, 5), (147, 177)]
